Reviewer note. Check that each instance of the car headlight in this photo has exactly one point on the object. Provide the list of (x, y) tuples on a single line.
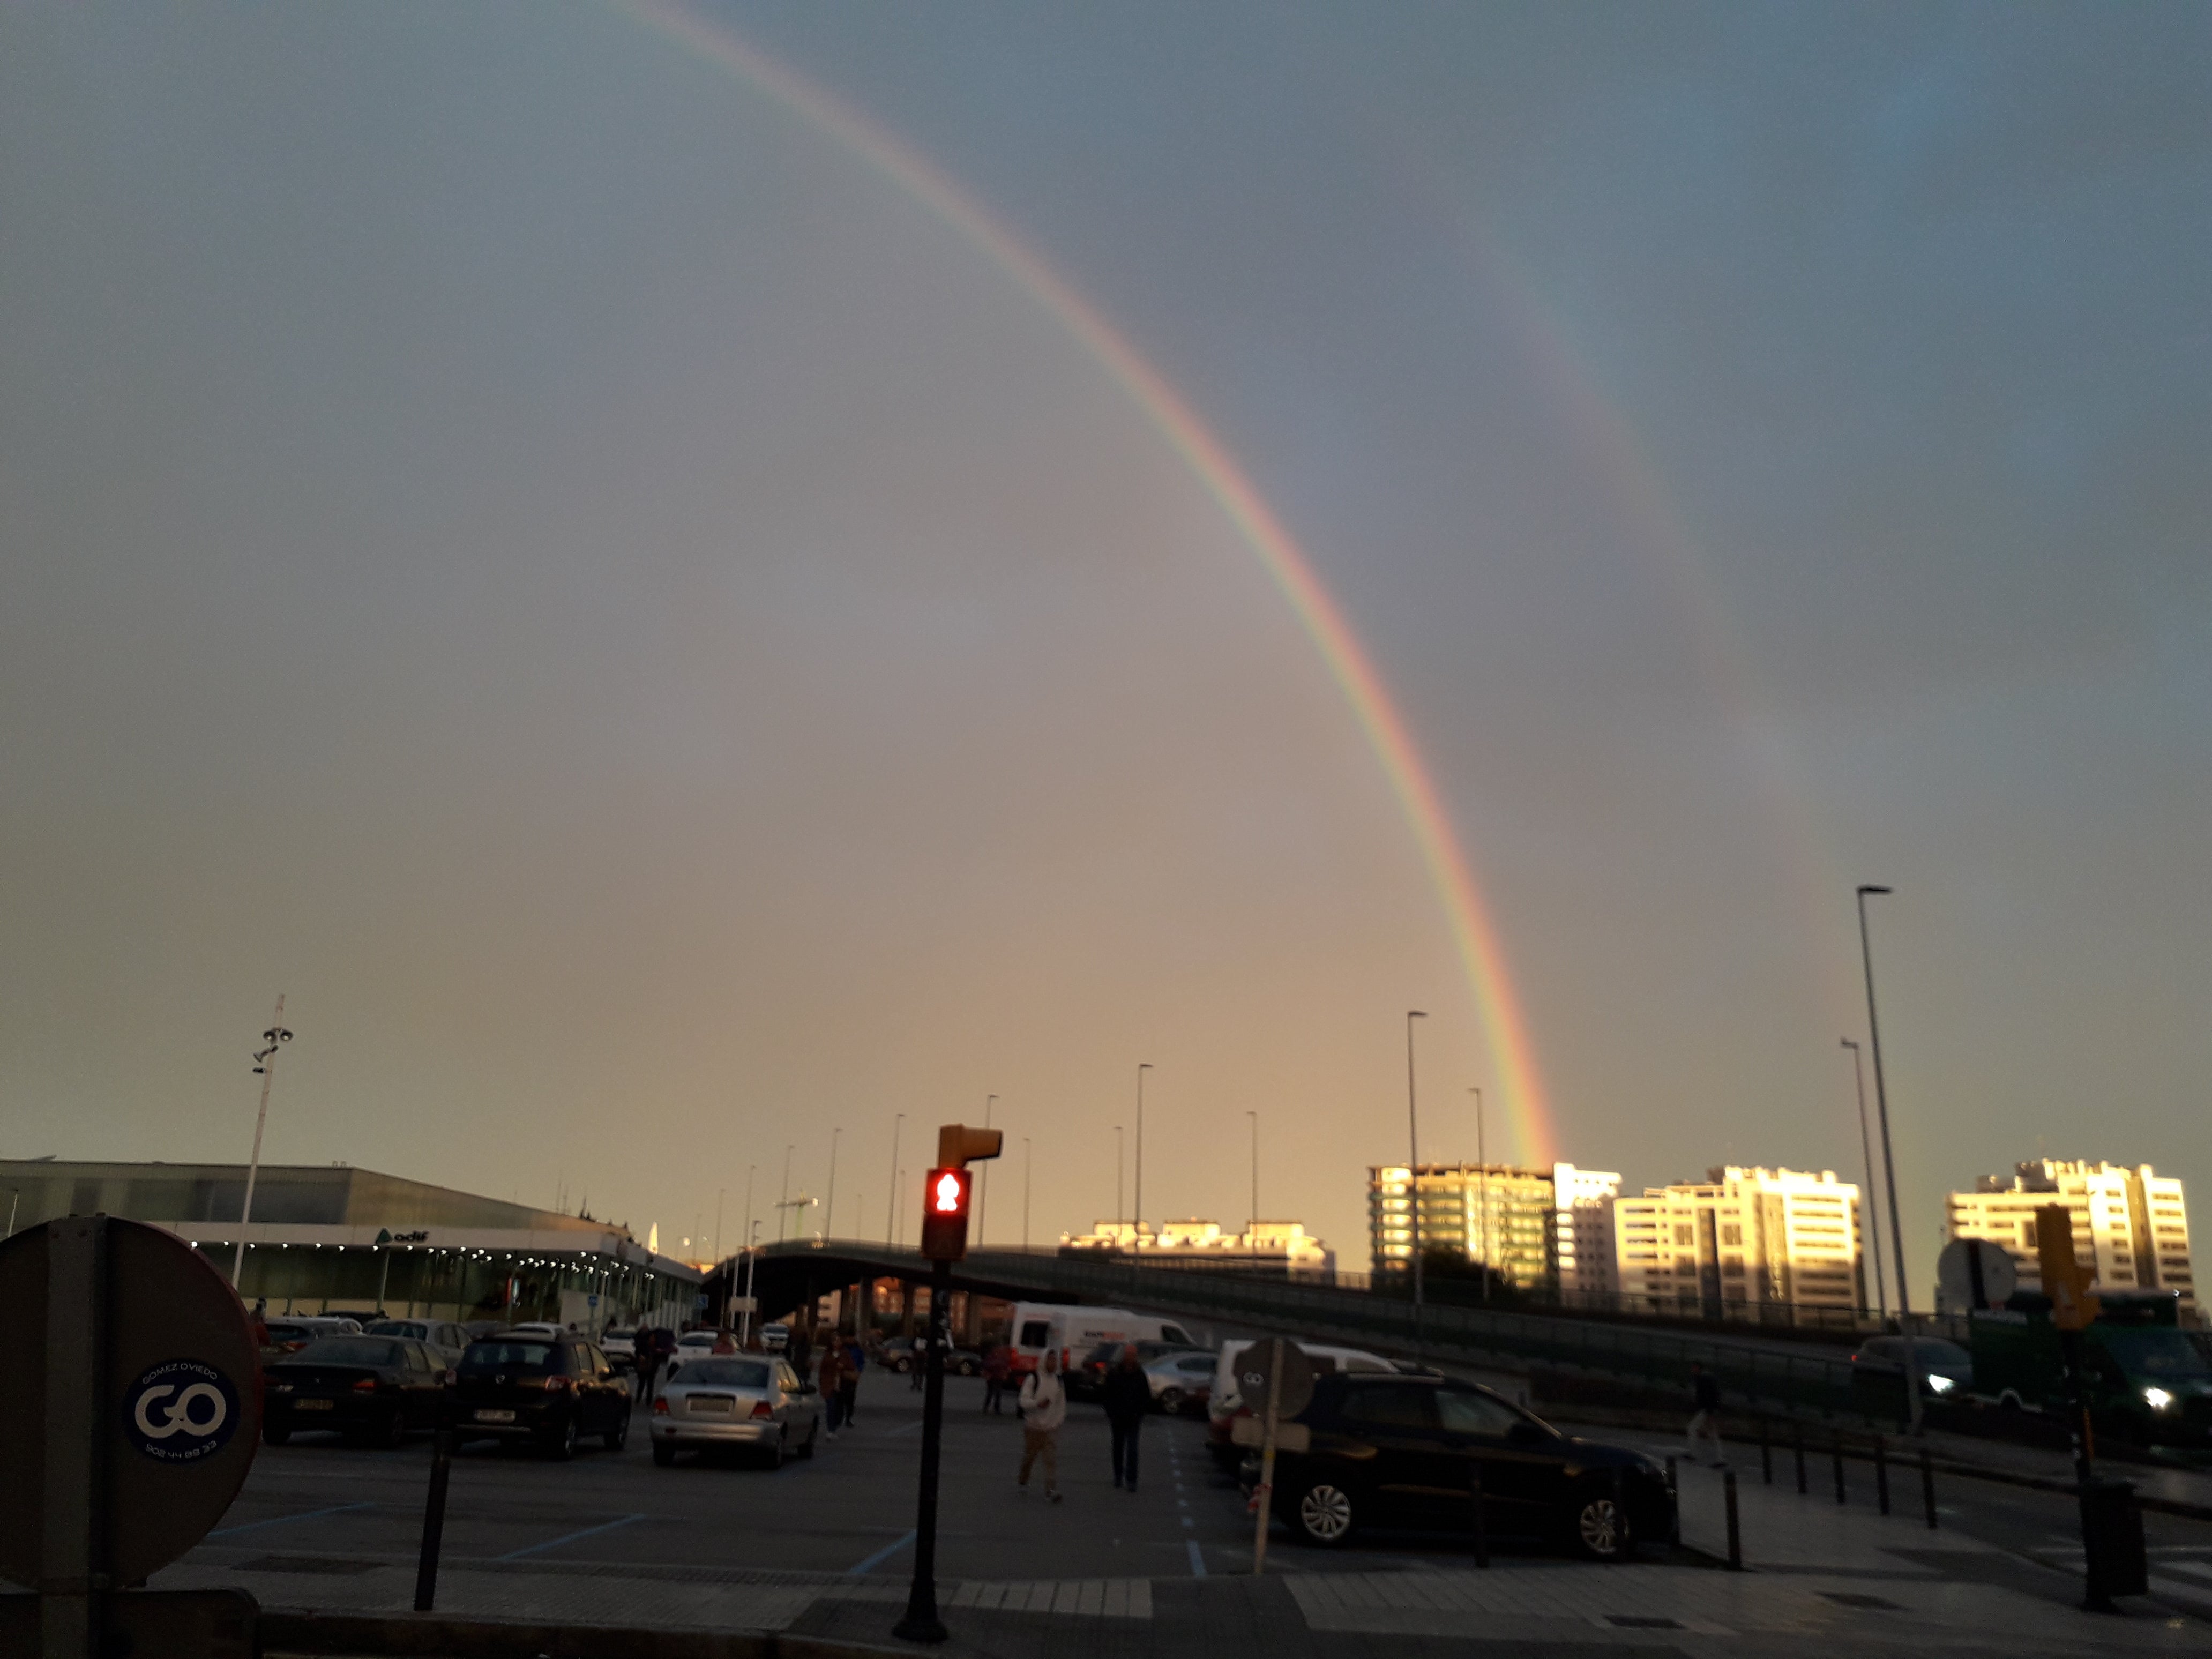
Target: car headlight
[(2157, 1399), (1939, 1384)]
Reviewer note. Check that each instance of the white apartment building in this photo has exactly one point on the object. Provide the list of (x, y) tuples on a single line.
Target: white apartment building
[(1743, 1236), (2130, 1223), (1535, 1227), (1272, 1247)]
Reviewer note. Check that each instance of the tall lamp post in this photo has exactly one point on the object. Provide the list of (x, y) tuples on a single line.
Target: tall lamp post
[(1904, 1319), (984, 1176), (1413, 1173), (1866, 1150), (1137, 1231), (1120, 1160), (1026, 1192), (890, 1207), (829, 1210), (265, 1062), (1252, 1229)]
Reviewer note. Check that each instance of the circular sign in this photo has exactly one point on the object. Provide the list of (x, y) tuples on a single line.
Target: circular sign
[(180, 1411), (1968, 1265), (1259, 1362), (165, 1385)]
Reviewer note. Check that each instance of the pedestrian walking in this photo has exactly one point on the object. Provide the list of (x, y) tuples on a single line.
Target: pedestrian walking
[(917, 1358), (830, 1377), (800, 1349), (1044, 1409), (1127, 1393), (1706, 1394), (646, 1347), (848, 1387), (998, 1366)]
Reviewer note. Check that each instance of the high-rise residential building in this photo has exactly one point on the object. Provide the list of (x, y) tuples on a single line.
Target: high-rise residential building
[(1550, 1228), (2131, 1224), (1271, 1248), (1743, 1236)]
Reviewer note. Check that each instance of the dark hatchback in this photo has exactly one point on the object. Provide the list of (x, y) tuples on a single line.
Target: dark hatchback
[(551, 1390), (1403, 1451), (372, 1389)]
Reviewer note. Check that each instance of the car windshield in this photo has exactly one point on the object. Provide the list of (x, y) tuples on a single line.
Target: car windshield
[(725, 1374), (399, 1328), (349, 1351), (511, 1355), (2166, 1354), (1948, 1356), (1036, 1334)]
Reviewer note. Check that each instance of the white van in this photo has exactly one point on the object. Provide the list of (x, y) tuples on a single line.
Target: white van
[(1224, 1403), (1074, 1332)]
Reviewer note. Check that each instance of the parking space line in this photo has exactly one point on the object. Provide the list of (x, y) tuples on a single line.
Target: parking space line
[(1197, 1558), (279, 1520), (881, 1556), (555, 1543)]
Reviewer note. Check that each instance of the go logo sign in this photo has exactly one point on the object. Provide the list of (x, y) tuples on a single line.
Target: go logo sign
[(180, 1411)]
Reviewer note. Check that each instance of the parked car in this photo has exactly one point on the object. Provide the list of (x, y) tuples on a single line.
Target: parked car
[(618, 1343), (754, 1403), (1181, 1380), (1402, 1451), (372, 1389), (1083, 1379), (537, 1327), (1223, 1405), (441, 1336), (775, 1337), (292, 1332), (903, 1353), (554, 1390)]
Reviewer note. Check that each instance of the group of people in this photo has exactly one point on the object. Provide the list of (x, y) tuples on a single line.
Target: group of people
[(838, 1377), (1126, 1394)]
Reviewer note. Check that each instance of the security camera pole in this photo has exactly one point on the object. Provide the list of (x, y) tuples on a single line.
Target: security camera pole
[(265, 1062), (944, 1241)]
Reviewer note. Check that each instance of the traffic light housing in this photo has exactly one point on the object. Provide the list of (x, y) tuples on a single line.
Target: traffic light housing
[(959, 1145), (944, 1214), (2073, 1304)]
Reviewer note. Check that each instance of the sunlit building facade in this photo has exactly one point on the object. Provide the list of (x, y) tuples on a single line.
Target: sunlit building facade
[(1742, 1237), (1277, 1249), (2131, 1224), (1542, 1228)]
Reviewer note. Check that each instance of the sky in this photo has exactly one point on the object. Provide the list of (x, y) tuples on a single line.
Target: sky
[(671, 652)]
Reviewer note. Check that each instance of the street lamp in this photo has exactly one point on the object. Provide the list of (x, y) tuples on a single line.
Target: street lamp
[(890, 1207), (783, 1197), (1026, 1192), (1413, 1173), (829, 1210), (1889, 1175), (1121, 1215), (984, 1176), (1252, 1230), (1136, 1232), (752, 1253), (264, 1064), (1873, 1216)]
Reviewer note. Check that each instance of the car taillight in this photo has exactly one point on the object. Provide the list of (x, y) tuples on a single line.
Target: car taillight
[(661, 1406), (762, 1408), (367, 1385), (557, 1385)]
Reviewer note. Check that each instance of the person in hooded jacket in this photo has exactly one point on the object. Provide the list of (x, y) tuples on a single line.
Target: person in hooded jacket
[(1126, 1394), (1043, 1406)]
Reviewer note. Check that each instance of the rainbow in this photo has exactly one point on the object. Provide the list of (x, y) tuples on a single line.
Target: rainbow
[(1504, 1024)]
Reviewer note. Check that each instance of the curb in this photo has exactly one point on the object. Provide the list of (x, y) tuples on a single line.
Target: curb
[(426, 1636)]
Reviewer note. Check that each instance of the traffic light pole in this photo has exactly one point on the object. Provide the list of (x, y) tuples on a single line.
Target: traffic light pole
[(921, 1623)]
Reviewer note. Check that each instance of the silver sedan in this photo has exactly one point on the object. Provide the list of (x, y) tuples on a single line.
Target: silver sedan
[(753, 1403)]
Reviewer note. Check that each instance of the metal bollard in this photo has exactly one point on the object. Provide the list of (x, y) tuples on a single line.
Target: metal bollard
[(1735, 1529), (1801, 1460), (1766, 1454), (433, 1518), (1927, 1486), (1840, 1497), (1881, 1473), (1481, 1530)]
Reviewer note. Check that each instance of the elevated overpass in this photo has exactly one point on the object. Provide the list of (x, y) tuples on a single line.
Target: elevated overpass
[(1768, 1373)]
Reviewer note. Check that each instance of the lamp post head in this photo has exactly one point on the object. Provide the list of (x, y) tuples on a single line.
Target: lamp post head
[(1863, 891), (1850, 1042), (1416, 1013)]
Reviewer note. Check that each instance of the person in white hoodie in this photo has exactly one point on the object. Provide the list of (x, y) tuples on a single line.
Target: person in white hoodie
[(1044, 1408)]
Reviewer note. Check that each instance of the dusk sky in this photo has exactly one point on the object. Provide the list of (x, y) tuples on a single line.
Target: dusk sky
[(560, 539)]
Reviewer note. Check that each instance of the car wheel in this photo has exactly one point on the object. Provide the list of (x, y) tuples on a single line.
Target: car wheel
[(773, 1457), (1601, 1529), (813, 1434), (663, 1455), (1169, 1400), (275, 1434), (902, 1365), (564, 1445), (1321, 1515), (393, 1433), (619, 1435)]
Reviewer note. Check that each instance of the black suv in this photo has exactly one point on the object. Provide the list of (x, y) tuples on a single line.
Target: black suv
[(1403, 1451), (551, 1389)]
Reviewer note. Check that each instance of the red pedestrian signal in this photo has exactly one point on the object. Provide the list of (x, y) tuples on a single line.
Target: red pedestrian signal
[(944, 1215)]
